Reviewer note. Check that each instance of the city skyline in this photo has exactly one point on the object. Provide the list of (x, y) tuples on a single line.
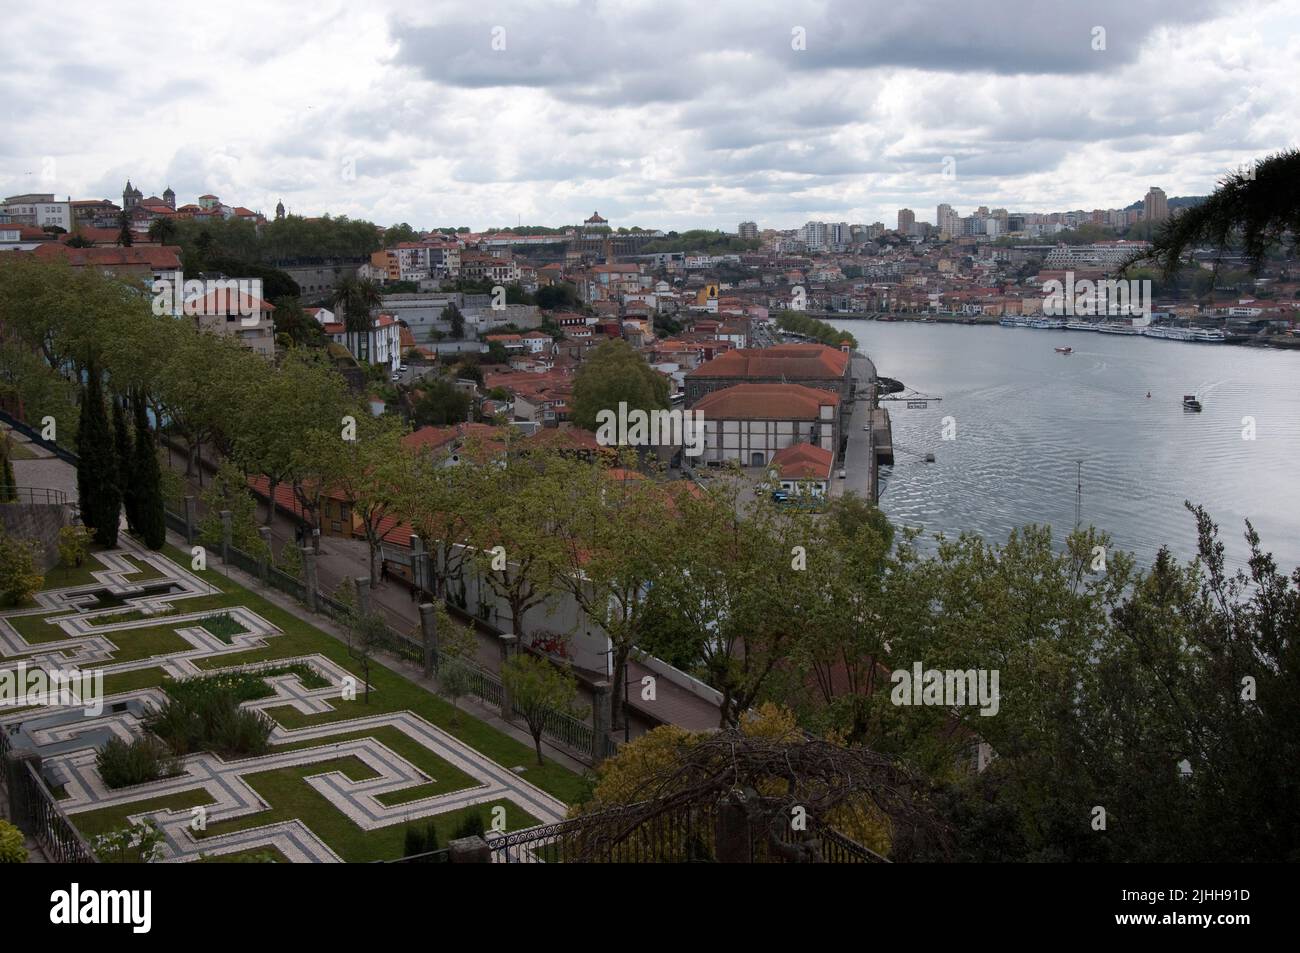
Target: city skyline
[(804, 114)]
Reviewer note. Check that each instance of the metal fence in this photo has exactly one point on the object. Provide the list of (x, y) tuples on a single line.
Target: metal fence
[(35, 811), (32, 494), (686, 833), (561, 729)]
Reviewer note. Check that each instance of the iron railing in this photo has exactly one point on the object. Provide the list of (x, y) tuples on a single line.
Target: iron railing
[(32, 494), (36, 812)]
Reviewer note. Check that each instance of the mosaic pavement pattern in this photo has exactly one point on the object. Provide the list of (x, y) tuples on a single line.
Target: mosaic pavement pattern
[(67, 738)]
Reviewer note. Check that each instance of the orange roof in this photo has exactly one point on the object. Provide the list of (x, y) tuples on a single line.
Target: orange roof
[(791, 361), (803, 461), (766, 402), (155, 256)]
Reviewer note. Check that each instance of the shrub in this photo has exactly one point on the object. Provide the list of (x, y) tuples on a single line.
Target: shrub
[(19, 580), (12, 850), (222, 626), (472, 826), (138, 844), (74, 545), (122, 764), (204, 714)]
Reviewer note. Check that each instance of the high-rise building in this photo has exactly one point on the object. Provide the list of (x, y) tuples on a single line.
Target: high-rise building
[(906, 221), (813, 235), (747, 230), (1155, 207), (947, 220)]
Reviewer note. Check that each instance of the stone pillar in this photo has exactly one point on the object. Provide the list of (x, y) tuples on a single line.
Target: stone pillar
[(191, 521), (362, 584), (469, 850), (509, 644), (309, 577), (264, 558), (315, 540), (600, 719), (227, 532), (419, 562), (429, 628), (731, 831)]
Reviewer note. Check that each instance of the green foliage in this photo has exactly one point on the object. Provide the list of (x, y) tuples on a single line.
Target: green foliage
[(538, 689), (701, 242), (97, 467), (74, 545), (800, 323), (12, 849), (451, 314), (204, 714), (614, 373), (472, 826), (19, 577), (146, 480), (420, 840), (440, 404), (1255, 209), (8, 482), (229, 491), (122, 763), (140, 843)]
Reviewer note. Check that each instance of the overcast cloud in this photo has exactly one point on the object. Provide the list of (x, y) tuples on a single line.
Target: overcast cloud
[(663, 114)]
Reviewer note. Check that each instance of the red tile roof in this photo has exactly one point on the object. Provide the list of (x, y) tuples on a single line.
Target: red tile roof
[(791, 361), (165, 257), (765, 402), (803, 461)]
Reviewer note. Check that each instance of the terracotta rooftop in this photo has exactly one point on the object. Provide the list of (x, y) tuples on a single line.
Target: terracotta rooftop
[(765, 402), (790, 361), (802, 461)]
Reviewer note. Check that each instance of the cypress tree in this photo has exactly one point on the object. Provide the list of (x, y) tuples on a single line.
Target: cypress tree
[(149, 521), (125, 462), (8, 493), (97, 488)]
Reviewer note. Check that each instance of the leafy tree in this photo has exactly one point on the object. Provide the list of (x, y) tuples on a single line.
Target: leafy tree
[(19, 577), (354, 298), (537, 688), (162, 230), (74, 547), (79, 241), (440, 403), (124, 234), (451, 314), (8, 482), (97, 474), (1255, 209), (614, 373), (366, 634), (457, 646)]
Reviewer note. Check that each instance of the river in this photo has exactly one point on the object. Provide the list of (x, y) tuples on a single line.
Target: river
[(1024, 416)]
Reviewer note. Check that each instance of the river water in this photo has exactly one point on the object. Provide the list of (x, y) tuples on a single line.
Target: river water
[(1025, 417)]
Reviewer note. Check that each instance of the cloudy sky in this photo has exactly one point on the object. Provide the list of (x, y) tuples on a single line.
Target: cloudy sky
[(662, 114)]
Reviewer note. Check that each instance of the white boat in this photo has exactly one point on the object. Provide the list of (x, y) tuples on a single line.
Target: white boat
[(1082, 326), (1206, 335), (1050, 324), (1109, 328)]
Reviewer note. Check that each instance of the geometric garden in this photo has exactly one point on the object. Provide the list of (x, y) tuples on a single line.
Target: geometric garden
[(344, 772)]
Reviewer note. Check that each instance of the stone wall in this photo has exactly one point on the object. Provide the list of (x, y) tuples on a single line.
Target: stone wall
[(37, 521)]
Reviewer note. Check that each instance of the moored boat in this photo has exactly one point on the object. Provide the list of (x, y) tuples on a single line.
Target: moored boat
[(1191, 403), (1064, 350)]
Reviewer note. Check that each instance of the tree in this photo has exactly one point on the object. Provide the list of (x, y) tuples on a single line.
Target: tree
[(1256, 209), (361, 471), (613, 374), (451, 314), (440, 403), (74, 547), (366, 634), (355, 298), (162, 230), (19, 578), (79, 241), (97, 477), (124, 460), (497, 353), (8, 482), (146, 476), (538, 689), (124, 234), (457, 646)]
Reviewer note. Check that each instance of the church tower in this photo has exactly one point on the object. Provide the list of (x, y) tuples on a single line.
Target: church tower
[(130, 196), (279, 211), (169, 198)]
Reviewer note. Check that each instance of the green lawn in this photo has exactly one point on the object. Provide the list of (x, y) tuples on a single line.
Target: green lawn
[(285, 789)]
